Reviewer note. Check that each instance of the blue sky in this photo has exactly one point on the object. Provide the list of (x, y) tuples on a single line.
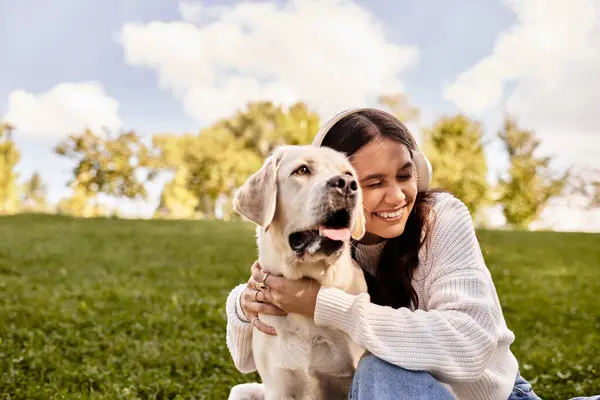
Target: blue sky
[(429, 44)]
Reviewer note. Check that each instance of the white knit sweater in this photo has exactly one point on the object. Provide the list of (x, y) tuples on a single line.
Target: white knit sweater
[(458, 333)]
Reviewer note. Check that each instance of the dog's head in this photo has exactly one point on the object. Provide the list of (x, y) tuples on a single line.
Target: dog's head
[(307, 194)]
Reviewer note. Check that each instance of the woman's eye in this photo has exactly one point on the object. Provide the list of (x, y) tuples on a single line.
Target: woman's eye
[(374, 185), (404, 177), (302, 170)]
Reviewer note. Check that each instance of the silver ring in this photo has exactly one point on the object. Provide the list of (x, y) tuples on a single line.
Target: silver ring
[(252, 322)]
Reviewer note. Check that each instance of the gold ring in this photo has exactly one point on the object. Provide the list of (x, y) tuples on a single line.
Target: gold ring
[(262, 284), (256, 296)]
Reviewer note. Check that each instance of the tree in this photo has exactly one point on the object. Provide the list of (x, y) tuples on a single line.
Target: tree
[(34, 193), (177, 202), (586, 183), (218, 164), (530, 183), (176, 199), (399, 106), (263, 126), (456, 151), (210, 166), (109, 165), (9, 157)]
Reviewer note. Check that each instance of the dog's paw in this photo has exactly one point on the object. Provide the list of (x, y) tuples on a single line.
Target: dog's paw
[(247, 391)]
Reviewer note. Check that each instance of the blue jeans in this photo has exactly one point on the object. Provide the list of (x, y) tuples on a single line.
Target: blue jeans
[(376, 379)]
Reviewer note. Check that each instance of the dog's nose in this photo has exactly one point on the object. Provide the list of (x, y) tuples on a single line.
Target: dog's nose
[(345, 184)]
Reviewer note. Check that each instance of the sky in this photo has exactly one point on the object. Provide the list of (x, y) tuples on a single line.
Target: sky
[(162, 66)]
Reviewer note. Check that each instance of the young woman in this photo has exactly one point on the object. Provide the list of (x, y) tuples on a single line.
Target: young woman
[(432, 322)]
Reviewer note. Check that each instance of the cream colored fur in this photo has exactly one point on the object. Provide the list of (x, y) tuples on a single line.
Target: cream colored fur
[(303, 361)]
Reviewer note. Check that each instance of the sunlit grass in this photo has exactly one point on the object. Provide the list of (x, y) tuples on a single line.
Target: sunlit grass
[(112, 309)]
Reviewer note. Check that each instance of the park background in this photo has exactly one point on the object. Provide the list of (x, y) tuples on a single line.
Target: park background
[(126, 127)]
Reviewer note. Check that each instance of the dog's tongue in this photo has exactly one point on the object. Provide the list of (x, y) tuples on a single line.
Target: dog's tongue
[(341, 234)]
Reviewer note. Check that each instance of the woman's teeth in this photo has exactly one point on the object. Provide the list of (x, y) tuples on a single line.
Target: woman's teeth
[(390, 215)]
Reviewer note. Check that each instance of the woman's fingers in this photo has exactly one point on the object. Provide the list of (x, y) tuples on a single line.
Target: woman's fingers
[(264, 308), (258, 324), (257, 274), (270, 281), (269, 330)]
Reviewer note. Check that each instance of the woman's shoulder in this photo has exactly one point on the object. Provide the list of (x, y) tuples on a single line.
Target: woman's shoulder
[(451, 226), (449, 209), (452, 247)]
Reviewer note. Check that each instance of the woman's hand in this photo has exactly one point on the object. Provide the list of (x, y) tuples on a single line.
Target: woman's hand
[(253, 302), (292, 296)]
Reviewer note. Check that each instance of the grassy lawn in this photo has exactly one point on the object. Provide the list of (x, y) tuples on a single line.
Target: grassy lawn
[(111, 309)]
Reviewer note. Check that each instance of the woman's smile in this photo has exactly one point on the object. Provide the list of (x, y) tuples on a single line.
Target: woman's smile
[(390, 215)]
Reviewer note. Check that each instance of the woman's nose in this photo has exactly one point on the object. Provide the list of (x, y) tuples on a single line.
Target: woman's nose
[(395, 194)]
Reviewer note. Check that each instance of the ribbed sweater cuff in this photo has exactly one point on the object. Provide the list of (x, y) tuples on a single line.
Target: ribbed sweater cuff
[(233, 307), (334, 309)]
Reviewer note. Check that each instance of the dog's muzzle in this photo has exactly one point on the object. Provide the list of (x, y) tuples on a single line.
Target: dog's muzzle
[(329, 235)]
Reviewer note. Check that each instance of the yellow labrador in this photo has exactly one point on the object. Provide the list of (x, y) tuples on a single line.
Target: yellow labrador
[(307, 204)]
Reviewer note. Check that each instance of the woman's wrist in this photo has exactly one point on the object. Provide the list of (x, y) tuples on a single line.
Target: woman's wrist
[(239, 310)]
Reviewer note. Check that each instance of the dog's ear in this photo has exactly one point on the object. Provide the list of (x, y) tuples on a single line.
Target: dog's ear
[(257, 198), (358, 223)]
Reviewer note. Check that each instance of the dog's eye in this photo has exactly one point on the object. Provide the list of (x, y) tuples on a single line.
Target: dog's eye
[(302, 170)]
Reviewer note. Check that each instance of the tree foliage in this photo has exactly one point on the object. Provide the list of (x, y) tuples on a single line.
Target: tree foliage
[(9, 157), (399, 105), (530, 183), (264, 125), (205, 169), (210, 166), (454, 145), (108, 165), (35, 194)]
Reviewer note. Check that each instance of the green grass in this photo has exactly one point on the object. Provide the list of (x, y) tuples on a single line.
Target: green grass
[(112, 309)]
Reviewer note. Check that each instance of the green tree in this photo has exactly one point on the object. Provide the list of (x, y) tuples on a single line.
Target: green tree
[(110, 165), (176, 200), (34, 194), (530, 183), (217, 164), (210, 166), (9, 157), (81, 204), (455, 148), (264, 125)]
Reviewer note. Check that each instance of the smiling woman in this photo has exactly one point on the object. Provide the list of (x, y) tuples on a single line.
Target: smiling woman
[(431, 322)]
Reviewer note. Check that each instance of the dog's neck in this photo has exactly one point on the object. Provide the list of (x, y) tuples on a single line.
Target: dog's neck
[(276, 257)]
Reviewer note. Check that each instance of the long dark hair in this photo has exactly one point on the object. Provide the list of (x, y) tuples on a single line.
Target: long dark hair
[(391, 286)]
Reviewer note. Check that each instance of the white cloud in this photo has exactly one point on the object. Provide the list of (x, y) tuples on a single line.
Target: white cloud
[(191, 11), (330, 53), (552, 57), (545, 70), (66, 108)]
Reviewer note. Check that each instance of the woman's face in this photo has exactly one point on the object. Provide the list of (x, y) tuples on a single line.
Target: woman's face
[(388, 180)]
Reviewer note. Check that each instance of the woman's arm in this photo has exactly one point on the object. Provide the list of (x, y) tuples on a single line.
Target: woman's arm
[(239, 332), (453, 341), (456, 337), (243, 307)]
